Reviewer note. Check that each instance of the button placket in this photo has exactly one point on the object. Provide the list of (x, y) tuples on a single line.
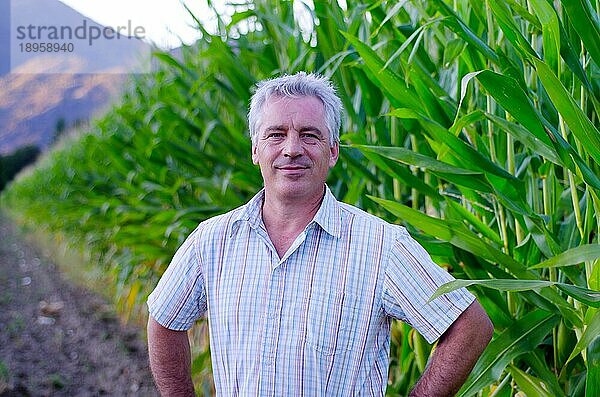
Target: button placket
[(274, 304), (273, 311)]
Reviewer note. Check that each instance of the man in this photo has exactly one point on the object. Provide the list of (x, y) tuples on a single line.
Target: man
[(300, 289)]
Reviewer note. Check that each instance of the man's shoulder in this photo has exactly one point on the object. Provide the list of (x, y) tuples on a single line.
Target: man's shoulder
[(218, 223), (365, 219)]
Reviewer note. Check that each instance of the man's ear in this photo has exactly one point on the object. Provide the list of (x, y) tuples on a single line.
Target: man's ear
[(254, 155), (334, 152)]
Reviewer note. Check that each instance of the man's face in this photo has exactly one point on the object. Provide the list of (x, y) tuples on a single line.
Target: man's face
[(292, 147)]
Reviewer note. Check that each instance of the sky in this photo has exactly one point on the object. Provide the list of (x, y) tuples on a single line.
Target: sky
[(166, 22)]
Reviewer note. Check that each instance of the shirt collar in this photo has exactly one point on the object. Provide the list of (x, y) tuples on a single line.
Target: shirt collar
[(329, 215), (251, 212)]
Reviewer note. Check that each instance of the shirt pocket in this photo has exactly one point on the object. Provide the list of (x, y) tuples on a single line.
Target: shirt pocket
[(330, 322)]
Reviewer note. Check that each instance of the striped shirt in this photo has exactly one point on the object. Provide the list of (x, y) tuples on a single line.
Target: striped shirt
[(315, 322)]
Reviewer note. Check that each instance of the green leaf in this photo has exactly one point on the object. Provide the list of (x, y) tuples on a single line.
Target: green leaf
[(580, 125), (170, 60), (510, 29), (550, 31), (528, 139), (572, 60), (523, 13), (507, 92), (499, 284), (594, 277), (529, 384), (572, 256), (453, 22), (456, 233), (407, 156), (541, 368), (472, 158), (585, 295), (521, 337), (395, 86), (573, 161), (476, 222), (466, 120), (389, 15), (585, 22), (591, 332), (240, 16), (453, 50), (592, 381), (403, 174)]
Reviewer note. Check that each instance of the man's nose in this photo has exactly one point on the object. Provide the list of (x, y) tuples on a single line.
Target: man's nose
[(293, 145)]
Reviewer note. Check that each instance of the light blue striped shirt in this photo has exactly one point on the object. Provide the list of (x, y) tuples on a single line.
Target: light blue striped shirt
[(315, 322)]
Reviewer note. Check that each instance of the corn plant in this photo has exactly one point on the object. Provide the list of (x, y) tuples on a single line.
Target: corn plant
[(474, 124), (504, 140)]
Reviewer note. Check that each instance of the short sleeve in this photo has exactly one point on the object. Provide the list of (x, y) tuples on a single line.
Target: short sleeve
[(179, 299), (411, 277)]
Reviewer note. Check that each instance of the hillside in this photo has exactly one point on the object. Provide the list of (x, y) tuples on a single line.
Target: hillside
[(31, 105), (42, 90)]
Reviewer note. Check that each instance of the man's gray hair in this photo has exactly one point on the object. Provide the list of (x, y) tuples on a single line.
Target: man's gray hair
[(294, 86)]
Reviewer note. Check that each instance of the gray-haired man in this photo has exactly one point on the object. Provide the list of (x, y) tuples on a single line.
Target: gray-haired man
[(300, 289)]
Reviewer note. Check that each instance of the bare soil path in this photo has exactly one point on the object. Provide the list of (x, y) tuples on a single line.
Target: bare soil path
[(57, 339)]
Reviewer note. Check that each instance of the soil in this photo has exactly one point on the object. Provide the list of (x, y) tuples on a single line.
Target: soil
[(58, 339)]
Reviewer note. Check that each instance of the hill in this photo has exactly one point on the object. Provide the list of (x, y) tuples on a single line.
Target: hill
[(45, 90)]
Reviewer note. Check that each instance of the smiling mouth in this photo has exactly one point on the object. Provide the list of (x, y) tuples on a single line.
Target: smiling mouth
[(292, 171), (291, 168)]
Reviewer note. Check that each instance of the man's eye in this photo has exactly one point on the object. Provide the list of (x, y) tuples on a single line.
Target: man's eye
[(275, 135), (309, 135)]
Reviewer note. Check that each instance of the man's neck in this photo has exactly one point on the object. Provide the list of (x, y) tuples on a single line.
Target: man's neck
[(286, 219)]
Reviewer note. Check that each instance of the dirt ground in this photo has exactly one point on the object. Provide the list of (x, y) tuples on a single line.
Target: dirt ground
[(57, 339)]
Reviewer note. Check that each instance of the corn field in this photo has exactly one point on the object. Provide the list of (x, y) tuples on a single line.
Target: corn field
[(472, 123)]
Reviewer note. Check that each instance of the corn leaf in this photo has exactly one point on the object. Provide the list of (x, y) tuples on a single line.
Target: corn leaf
[(590, 334), (577, 121), (585, 295), (520, 338), (529, 384), (570, 257), (585, 22)]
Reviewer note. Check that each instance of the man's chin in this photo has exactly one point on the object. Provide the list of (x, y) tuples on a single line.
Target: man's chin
[(295, 190)]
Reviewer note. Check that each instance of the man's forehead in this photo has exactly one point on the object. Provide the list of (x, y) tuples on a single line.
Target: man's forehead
[(299, 115), (284, 100)]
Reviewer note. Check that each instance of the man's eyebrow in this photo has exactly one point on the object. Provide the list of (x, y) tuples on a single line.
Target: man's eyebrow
[(283, 127), (310, 128), (280, 127)]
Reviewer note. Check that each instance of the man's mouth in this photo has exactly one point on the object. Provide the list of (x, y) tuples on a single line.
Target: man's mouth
[(291, 167)]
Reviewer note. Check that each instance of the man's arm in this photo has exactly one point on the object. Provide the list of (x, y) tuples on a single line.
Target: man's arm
[(170, 360), (456, 354)]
